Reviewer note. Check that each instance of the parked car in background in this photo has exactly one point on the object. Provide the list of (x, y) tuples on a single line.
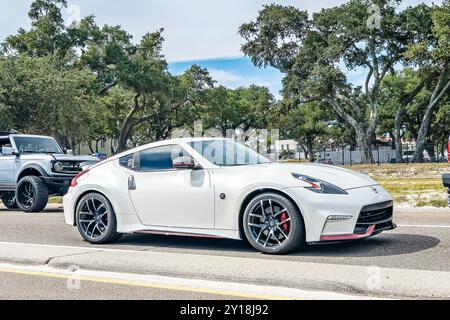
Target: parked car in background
[(32, 168), (100, 155), (446, 182)]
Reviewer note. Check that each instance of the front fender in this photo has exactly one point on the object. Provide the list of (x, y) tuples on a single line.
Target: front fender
[(35, 167)]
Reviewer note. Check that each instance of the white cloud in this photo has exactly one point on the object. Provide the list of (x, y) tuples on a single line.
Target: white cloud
[(194, 29), (226, 78)]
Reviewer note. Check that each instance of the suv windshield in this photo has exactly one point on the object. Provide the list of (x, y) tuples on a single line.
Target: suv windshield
[(37, 145), (228, 153)]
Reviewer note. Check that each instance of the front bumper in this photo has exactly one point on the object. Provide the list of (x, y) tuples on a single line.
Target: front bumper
[(365, 212), (59, 184), (58, 181), (370, 222)]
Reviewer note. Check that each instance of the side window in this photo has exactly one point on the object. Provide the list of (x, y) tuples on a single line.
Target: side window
[(160, 158), (4, 142), (127, 161)]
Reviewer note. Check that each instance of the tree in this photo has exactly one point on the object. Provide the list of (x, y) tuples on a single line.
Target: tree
[(317, 53), (48, 34), (237, 109), (432, 55), (304, 124), (402, 92), (40, 95)]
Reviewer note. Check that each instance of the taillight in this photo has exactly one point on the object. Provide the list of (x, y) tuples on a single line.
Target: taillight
[(74, 182), (448, 150)]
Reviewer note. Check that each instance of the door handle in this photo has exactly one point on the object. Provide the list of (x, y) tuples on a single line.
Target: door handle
[(131, 183)]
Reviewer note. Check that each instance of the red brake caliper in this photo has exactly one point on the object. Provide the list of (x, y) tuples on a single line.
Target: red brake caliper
[(285, 226)]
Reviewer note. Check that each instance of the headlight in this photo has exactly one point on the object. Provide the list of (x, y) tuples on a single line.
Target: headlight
[(319, 186), (58, 166)]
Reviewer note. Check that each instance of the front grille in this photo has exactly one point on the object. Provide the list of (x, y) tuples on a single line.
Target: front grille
[(380, 215), (72, 167)]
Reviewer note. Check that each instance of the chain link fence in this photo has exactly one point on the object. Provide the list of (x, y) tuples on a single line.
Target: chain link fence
[(382, 155)]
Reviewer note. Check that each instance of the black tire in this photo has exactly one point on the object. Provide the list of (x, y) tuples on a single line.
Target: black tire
[(32, 194), (9, 200), (295, 239), (99, 226)]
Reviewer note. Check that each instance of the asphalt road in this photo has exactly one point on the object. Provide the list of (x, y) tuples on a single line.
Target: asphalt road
[(422, 242), (413, 245)]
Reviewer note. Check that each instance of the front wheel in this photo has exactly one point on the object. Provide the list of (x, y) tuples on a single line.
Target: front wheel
[(96, 220), (32, 194), (272, 224), (9, 200)]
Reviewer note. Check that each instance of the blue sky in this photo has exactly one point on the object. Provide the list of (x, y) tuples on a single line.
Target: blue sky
[(203, 32)]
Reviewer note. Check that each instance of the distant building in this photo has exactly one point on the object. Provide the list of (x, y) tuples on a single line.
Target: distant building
[(286, 145)]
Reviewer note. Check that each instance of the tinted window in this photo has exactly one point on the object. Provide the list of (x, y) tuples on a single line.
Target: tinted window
[(228, 153), (127, 161), (160, 158)]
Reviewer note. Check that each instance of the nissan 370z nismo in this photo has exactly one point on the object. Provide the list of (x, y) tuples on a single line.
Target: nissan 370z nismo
[(219, 188)]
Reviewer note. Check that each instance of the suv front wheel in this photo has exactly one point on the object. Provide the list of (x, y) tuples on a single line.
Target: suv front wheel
[(32, 194)]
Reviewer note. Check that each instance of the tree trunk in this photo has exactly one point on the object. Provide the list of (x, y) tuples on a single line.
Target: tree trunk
[(126, 126), (90, 148), (365, 141), (305, 150), (364, 138), (442, 87), (398, 135), (310, 147)]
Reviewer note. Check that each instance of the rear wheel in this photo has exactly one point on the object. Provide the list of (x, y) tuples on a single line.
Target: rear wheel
[(32, 194), (96, 220), (272, 224), (9, 200)]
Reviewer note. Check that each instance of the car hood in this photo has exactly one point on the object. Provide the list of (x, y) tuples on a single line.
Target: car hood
[(65, 157), (340, 177)]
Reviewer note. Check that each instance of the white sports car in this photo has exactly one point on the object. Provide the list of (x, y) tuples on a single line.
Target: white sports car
[(219, 188)]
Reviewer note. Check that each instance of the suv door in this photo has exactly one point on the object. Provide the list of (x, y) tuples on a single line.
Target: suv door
[(165, 196), (7, 168)]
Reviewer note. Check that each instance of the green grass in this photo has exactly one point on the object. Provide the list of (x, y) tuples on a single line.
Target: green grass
[(419, 192), (56, 200)]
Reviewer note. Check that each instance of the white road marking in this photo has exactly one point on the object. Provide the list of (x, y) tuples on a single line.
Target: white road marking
[(422, 226), (98, 249), (179, 284)]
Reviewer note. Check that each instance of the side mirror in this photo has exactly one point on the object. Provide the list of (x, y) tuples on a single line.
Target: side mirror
[(8, 151), (69, 152), (185, 163)]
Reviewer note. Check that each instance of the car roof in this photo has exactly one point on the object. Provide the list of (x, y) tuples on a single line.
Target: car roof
[(159, 144), (29, 136), (172, 141)]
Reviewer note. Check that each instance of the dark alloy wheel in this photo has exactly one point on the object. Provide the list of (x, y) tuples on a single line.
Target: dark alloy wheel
[(9, 200), (32, 194), (96, 220), (272, 224)]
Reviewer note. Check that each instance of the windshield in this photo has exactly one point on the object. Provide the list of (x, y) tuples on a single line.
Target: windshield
[(228, 153), (37, 145)]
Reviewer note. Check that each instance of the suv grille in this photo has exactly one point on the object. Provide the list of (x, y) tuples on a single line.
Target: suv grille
[(380, 215), (71, 166)]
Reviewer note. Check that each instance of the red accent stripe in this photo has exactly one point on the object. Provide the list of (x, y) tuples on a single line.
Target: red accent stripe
[(349, 236), (178, 234)]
